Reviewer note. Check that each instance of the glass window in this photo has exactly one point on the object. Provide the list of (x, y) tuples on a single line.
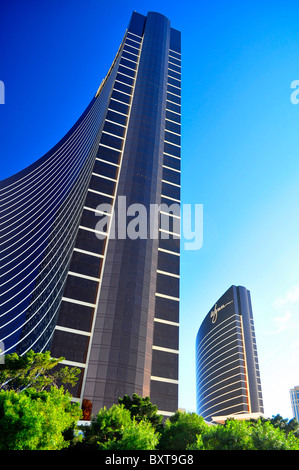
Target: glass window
[(173, 150), (111, 141), (173, 138), (123, 77), (114, 129), (173, 117), (108, 154), (123, 87), (118, 95), (173, 107), (105, 169), (116, 117), (117, 106)]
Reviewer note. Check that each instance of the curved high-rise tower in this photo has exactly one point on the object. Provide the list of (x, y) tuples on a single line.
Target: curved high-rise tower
[(103, 297), (227, 369)]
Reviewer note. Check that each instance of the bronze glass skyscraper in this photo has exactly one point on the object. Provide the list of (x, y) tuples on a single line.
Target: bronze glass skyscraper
[(227, 370), (108, 303)]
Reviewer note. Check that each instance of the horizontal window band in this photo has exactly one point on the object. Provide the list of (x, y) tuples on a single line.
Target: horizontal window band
[(174, 122), (134, 41), (126, 84), (117, 123), (172, 184), (175, 52), (130, 45), (83, 276), (130, 60), (169, 297), (169, 252), (96, 211), (101, 194), (166, 322), (174, 86), (72, 330), (171, 111), (170, 233), (170, 155), (125, 75), (170, 168), (172, 102), (116, 136), (171, 198), (137, 35), (73, 364), (163, 379), (102, 176), (118, 101), (118, 112), (165, 413), (173, 63), (92, 230), (90, 253), (172, 351), (165, 273), (128, 37), (171, 70), (109, 147), (171, 215), (123, 92), (174, 78), (171, 132), (108, 163), (130, 52), (129, 68), (78, 302)]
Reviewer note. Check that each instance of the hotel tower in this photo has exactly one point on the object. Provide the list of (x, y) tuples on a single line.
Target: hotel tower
[(73, 281), (227, 369)]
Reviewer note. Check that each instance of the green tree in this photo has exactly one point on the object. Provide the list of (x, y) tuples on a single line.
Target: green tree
[(141, 408), (245, 435), (115, 429), (135, 436), (34, 370), (287, 426), (181, 430), (107, 425), (32, 420), (266, 436)]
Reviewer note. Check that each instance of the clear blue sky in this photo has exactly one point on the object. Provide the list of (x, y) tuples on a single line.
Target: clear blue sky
[(240, 146)]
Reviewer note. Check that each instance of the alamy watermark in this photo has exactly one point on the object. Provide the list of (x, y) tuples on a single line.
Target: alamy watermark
[(164, 221), (2, 92)]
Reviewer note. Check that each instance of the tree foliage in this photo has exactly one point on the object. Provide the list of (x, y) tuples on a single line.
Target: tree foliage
[(33, 420), (181, 430), (116, 429), (141, 409), (35, 414), (245, 435), (35, 370)]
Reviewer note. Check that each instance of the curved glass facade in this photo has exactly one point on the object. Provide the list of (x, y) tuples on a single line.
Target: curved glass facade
[(227, 370), (109, 305)]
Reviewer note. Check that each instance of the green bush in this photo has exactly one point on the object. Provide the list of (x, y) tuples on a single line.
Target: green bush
[(245, 435), (32, 420), (115, 429)]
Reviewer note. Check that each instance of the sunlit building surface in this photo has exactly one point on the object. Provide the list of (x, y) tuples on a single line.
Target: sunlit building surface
[(106, 302), (227, 370), (294, 393)]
